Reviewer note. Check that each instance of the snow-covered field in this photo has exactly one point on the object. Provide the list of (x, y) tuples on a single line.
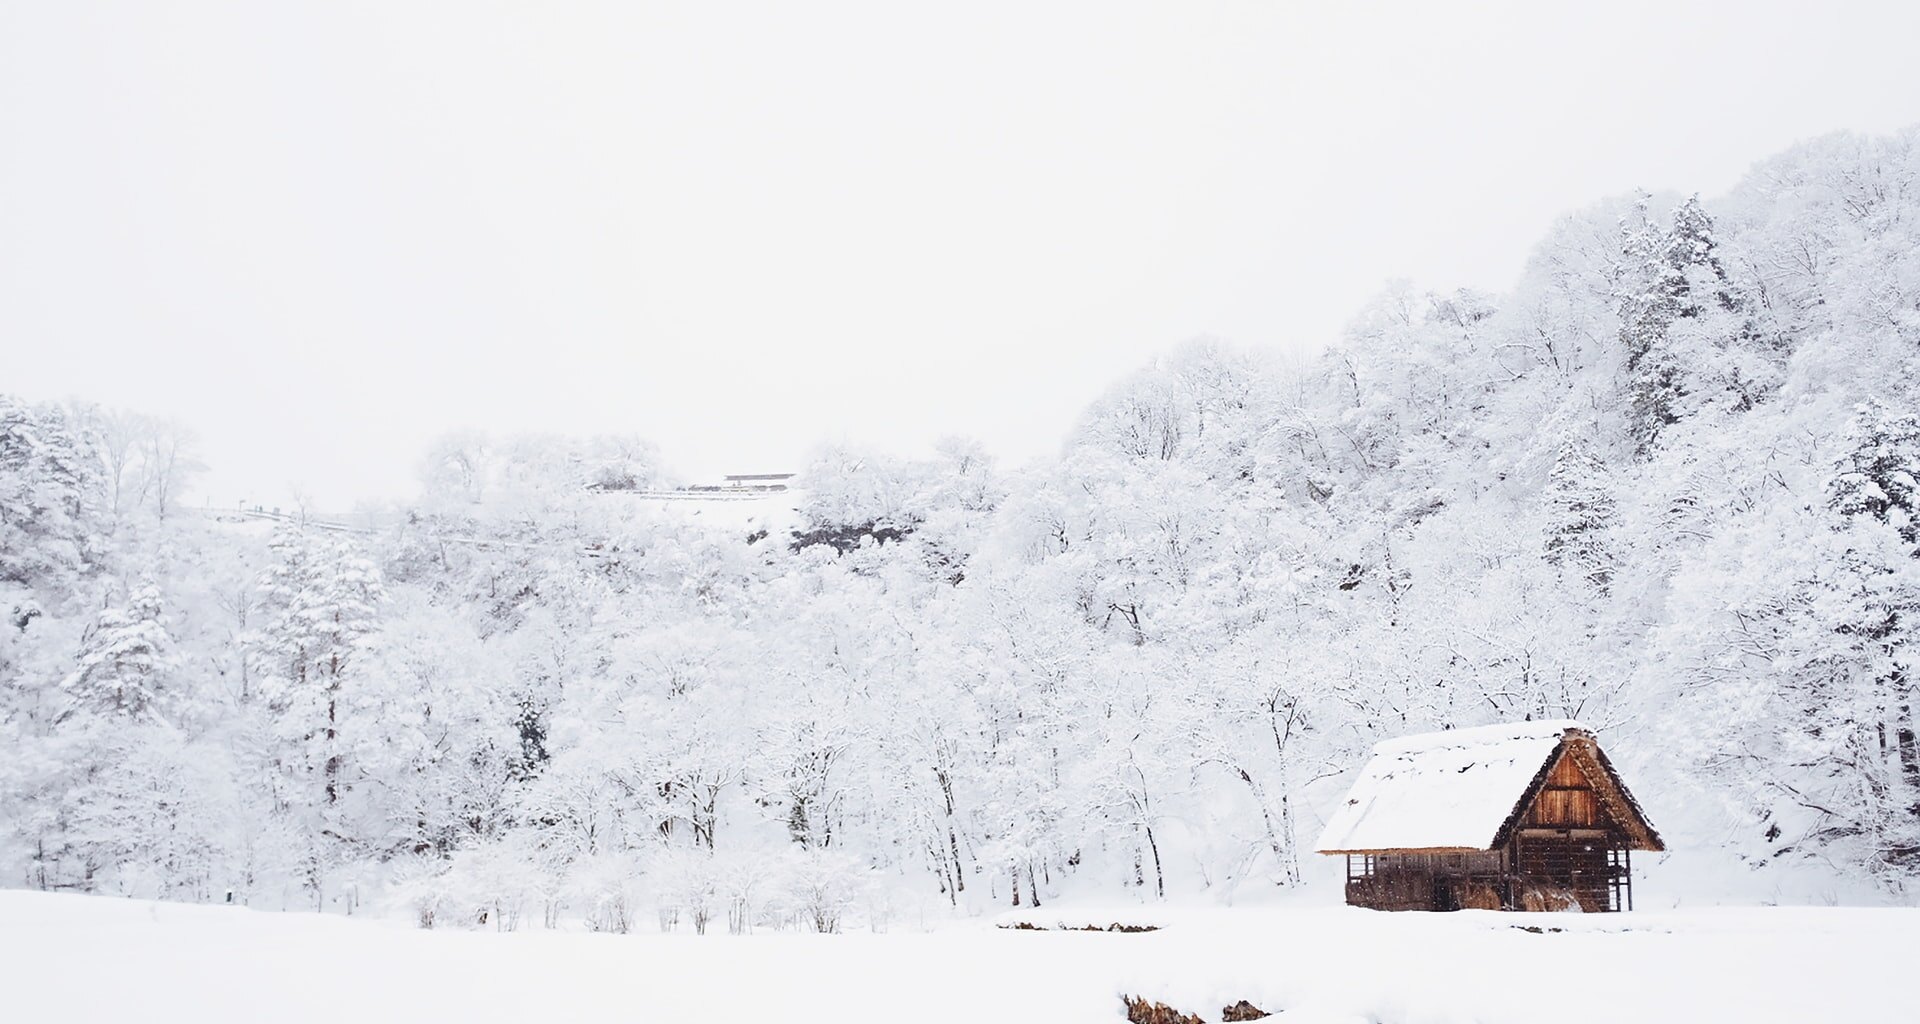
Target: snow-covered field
[(77, 958)]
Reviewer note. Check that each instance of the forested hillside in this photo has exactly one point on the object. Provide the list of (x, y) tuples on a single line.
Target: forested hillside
[(1666, 484)]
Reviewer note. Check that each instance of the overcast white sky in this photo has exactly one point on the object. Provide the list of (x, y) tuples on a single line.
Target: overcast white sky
[(323, 233)]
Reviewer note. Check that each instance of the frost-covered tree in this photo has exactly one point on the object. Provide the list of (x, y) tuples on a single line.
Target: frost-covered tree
[(1879, 477), (125, 656), (1687, 328), (47, 496), (1580, 511), (322, 599)]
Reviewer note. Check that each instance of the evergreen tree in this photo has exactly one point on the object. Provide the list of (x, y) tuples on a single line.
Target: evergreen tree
[(46, 499), (1692, 254), (324, 604), (1679, 310), (125, 656), (1880, 475), (1580, 510), (1652, 293), (1878, 481)]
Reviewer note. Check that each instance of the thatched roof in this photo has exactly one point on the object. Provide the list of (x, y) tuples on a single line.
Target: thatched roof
[(1466, 789)]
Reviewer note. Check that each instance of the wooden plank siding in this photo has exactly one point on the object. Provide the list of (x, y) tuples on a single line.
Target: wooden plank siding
[(1568, 800), (1420, 881)]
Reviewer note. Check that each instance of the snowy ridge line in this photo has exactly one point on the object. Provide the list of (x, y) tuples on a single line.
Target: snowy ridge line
[(345, 520), (339, 527), (700, 495), (335, 526), (333, 522)]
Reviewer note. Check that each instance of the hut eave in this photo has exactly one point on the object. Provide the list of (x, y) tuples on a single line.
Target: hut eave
[(1406, 849)]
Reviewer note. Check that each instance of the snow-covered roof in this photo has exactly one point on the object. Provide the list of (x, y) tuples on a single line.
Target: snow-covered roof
[(1442, 790)]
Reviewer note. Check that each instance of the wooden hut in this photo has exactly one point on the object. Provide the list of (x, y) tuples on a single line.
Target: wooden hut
[(1528, 816)]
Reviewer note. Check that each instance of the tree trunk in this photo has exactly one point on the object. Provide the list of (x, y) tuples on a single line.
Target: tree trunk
[(1159, 876), (1281, 850)]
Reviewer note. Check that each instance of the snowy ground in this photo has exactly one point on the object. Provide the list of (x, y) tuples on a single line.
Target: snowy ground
[(75, 958)]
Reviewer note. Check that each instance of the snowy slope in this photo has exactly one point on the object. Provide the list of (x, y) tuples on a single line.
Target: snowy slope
[(75, 958), (743, 512)]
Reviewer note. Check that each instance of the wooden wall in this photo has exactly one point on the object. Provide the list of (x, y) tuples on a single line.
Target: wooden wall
[(1576, 861), (1420, 881), (1567, 800)]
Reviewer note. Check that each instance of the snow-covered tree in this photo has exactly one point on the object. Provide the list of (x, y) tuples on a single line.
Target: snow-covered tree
[(1879, 477), (125, 656), (47, 497), (1580, 513)]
